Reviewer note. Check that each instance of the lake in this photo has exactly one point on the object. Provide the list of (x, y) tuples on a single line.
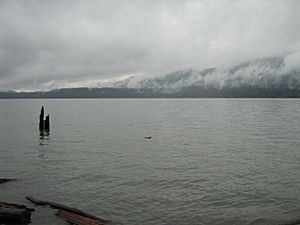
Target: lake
[(210, 161)]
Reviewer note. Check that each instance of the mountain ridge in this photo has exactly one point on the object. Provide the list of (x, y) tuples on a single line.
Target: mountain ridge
[(266, 77)]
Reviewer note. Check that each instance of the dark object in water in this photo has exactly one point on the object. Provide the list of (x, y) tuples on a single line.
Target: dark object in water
[(47, 123), (148, 137), (4, 180), (76, 219), (66, 208), (44, 125), (41, 124), (14, 213)]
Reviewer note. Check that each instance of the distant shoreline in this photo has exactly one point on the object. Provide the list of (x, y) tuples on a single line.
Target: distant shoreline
[(33, 98), (188, 92)]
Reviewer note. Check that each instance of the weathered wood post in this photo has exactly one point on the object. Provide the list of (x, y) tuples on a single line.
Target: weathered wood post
[(47, 123), (41, 124), (44, 125)]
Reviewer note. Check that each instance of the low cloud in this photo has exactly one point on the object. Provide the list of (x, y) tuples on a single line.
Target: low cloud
[(52, 44), (292, 62)]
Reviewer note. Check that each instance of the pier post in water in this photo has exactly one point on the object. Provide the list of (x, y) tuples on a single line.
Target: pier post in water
[(41, 124), (44, 125), (47, 123)]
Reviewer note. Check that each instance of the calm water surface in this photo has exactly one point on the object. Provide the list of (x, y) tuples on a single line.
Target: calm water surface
[(208, 162)]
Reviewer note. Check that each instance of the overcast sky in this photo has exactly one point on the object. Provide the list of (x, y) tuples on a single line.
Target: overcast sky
[(51, 44)]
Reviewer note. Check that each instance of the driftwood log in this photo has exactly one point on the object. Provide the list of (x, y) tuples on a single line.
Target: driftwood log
[(66, 208), (77, 219), (294, 222), (14, 212)]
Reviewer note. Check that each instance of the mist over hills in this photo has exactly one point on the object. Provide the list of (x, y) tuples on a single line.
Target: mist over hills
[(259, 73), (268, 77)]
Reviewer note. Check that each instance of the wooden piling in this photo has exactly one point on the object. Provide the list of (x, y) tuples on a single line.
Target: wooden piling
[(44, 125), (41, 124), (47, 123)]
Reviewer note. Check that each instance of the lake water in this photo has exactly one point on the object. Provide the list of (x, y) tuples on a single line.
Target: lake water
[(210, 161)]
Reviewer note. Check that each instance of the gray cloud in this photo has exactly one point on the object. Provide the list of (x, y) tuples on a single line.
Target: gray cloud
[(50, 44)]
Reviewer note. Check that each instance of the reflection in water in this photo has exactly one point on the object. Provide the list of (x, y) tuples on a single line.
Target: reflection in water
[(44, 140)]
